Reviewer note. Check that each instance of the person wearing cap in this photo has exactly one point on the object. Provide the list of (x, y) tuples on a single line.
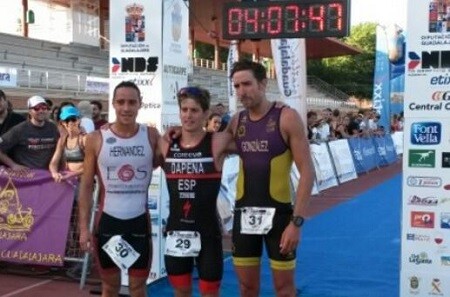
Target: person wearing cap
[(8, 118), (67, 162), (70, 147), (30, 144)]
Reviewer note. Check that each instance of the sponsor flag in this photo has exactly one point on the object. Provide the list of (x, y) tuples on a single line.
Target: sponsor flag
[(381, 85), (290, 66), (34, 217), (233, 56)]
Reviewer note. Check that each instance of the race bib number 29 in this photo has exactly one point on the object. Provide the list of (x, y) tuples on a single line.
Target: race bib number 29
[(256, 220), (183, 244)]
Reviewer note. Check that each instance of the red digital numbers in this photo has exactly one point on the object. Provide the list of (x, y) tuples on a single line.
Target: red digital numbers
[(274, 19), (316, 16), (288, 19)]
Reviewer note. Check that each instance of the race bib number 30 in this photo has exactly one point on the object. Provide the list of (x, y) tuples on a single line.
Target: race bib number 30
[(121, 252), (183, 244), (256, 220)]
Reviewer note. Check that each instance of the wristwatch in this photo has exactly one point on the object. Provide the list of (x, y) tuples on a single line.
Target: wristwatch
[(298, 221)]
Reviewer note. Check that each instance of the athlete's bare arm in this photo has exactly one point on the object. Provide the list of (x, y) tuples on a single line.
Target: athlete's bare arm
[(155, 137), (222, 145), (293, 132), (93, 143)]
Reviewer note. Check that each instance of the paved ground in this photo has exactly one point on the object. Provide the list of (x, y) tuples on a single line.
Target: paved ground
[(18, 281)]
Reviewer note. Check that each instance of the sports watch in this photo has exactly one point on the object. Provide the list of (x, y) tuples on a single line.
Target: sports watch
[(298, 221)]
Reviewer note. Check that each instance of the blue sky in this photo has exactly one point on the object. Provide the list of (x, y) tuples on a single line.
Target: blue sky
[(384, 12)]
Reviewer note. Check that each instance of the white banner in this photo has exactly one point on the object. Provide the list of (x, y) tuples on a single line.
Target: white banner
[(323, 166), (290, 65), (425, 240), (99, 85), (343, 161), (233, 56), (8, 77)]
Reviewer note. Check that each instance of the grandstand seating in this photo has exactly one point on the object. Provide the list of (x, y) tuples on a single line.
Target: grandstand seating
[(48, 66)]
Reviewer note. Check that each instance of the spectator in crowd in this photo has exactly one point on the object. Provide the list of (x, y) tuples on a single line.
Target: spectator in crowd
[(324, 128), (97, 114), (54, 113), (335, 120), (49, 103), (70, 147), (31, 144), (342, 128), (67, 162), (264, 183), (86, 122), (214, 122), (195, 147), (353, 128), (122, 155), (220, 109), (364, 125), (8, 118), (311, 123)]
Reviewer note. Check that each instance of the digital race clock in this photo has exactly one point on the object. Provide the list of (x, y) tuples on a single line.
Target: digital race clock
[(286, 19)]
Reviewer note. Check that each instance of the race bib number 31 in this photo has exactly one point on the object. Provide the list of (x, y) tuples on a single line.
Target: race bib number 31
[(121, 252), (183, 244), (256, 220)]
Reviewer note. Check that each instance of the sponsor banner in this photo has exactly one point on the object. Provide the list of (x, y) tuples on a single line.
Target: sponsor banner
[(386, 150), (8, 77), (342, 159), (233, 56), (364, 153), (325, 176), (425, 244), (34, 217), (290, 66), (136, 54), (381, 84), (397, 138), (295, 177), (98, 85)]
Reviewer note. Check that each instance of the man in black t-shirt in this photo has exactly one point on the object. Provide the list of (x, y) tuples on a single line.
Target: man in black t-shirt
[(30, 144)]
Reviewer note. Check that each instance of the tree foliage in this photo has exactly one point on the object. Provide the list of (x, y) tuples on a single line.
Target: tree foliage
[(351, 74)]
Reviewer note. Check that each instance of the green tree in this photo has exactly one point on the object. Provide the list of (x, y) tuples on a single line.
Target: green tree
[(351, 74)]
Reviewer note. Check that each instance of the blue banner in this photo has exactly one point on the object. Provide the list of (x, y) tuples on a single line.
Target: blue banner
[(364, 153), (381, 83)]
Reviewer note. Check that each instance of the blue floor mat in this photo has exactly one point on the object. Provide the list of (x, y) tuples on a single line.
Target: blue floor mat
[(351, 250)]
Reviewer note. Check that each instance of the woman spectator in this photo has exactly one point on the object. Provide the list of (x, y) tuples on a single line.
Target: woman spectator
[(214, 122), (342, 128), (67, 162), (70, 148)]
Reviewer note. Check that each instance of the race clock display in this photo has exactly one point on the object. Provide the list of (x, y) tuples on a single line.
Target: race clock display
[(286, 19)]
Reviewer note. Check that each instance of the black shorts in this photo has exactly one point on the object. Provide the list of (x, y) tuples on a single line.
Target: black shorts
[(209, 262), (136, 232), (247, 248)]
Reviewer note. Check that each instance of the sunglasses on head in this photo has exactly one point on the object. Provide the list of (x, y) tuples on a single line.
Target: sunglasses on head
[(40, 107), (189, 91), (71, 119)]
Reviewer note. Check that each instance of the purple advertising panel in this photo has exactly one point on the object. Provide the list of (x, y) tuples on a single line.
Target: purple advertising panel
[(34, 217)]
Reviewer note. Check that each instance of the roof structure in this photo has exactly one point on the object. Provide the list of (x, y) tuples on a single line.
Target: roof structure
[(205, 26)]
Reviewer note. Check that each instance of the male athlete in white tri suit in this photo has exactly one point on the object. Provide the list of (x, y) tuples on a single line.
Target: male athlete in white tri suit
[(123, 155)]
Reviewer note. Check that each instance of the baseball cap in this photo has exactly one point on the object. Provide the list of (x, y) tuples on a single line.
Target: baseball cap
[(69, 111), (36, 100)]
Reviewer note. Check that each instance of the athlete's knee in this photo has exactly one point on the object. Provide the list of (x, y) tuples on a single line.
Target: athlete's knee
[(210, 288), (182, 282), (110, 288)]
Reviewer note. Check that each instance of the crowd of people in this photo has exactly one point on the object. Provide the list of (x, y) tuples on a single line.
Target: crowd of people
[(76, 142), (330, 124)]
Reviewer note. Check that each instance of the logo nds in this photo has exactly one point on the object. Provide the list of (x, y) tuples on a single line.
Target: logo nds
[(426, 133)]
